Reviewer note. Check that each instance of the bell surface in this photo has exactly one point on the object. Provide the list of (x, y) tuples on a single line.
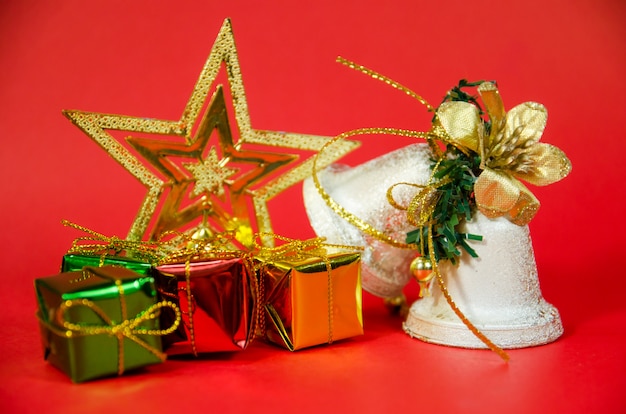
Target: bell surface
[(498, 292), (362, 191)]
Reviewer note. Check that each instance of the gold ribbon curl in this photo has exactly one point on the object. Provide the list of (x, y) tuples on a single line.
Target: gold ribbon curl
[(425, 199), (421, 207), (294, 249), (97, 244), (127, 328)]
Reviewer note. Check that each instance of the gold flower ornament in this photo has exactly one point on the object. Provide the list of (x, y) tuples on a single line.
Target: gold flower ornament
[(510, 151)]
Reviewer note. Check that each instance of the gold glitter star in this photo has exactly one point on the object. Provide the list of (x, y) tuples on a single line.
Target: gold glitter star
[(210, 175), (161, 154), (271, 173)]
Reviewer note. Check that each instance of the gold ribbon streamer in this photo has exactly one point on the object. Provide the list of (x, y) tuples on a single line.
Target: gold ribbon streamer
[(436, 133), (190, 308), (383, 78), (127, 328), (377, 76), (424, 199), (342, 212), (98, 244), (294, 249), (442, 285)]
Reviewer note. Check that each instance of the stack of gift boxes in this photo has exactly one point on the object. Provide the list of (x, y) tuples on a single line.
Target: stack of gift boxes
[(108, 313)]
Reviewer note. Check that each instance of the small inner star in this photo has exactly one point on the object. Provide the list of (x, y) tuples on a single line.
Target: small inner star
[(209, 175)]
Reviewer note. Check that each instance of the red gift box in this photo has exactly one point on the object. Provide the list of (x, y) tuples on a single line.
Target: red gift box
[(217, 301)]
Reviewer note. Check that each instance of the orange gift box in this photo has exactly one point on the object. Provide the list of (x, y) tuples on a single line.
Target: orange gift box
[(311, 301)]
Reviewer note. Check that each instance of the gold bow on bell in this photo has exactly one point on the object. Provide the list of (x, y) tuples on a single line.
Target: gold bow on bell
[(510, 151)]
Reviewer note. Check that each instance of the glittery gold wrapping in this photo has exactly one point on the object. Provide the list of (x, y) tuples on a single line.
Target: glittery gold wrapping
[(306, 306), (87, 356), (216, 297)]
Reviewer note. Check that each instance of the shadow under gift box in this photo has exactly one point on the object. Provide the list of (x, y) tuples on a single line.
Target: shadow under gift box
[(306, 305), (114, 291), (216, 300)]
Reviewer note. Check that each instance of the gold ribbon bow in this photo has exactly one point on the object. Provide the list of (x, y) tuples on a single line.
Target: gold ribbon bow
[(421, 207), (182, 246), (127, 328), (294, 249), (509, 152), (98, 244)]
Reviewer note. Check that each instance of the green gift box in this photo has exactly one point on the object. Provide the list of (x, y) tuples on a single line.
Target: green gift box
[(96, 249), (76, 262), (100, 321)]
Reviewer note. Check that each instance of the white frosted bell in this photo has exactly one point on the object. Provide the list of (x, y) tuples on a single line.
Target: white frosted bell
[(498, 292), (362, 191)]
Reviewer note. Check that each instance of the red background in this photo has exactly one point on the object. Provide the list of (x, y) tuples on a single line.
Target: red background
[(143, 58)]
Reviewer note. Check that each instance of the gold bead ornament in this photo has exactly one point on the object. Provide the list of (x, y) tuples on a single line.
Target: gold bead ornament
[(422, 270)]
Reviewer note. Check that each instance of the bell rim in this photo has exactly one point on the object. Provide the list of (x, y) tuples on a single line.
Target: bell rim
[(540, 328)]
